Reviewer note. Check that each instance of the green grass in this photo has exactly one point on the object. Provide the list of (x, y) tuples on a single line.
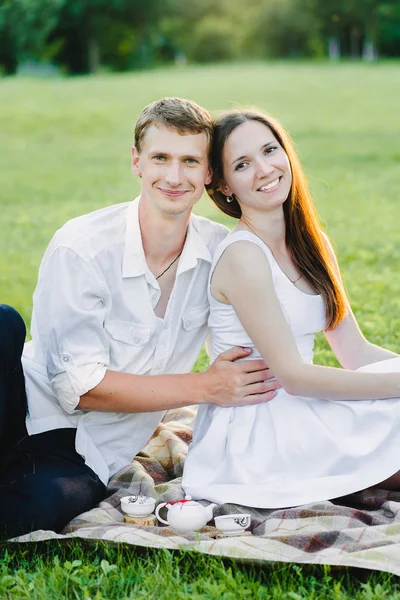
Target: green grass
[(66, 151), (99, 571)]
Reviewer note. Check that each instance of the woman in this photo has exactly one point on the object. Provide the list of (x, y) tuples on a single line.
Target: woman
[(274, 283)]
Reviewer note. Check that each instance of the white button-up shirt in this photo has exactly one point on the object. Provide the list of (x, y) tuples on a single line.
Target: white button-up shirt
[(94, 310)]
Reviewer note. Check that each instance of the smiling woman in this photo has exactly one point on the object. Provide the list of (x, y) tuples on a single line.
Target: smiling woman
[(263, 169), (272, 178), (274, 283)]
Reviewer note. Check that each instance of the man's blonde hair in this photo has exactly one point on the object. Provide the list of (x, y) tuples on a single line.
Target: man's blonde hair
[(183, 115)]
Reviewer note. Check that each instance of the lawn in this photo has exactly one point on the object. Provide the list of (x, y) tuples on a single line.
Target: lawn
[(66, 150), (48, 571)]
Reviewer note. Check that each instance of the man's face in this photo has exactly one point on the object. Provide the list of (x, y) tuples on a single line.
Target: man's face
[(174, 169)]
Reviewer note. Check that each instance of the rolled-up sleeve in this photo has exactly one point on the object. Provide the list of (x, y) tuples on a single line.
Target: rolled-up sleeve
[(70, 304), (76, 381)]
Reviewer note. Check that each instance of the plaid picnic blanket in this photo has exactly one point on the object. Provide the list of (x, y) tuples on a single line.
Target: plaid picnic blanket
[(361, 530)]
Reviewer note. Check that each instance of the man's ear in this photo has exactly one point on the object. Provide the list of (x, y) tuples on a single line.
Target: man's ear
[(135, 162), (209, 176)]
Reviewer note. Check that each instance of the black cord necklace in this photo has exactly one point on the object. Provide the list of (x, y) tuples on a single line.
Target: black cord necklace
[(170, 265)]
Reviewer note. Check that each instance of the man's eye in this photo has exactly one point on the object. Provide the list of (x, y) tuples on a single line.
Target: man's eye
[(191, 161), (159, 157)]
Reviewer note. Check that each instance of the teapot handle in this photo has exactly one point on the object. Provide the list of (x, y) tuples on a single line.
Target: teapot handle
[(159, 507)]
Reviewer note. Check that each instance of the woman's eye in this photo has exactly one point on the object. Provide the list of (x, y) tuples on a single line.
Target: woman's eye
[(270, 149), (240, 166)]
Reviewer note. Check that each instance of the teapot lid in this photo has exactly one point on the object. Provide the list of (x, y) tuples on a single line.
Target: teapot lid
[(189, 502)]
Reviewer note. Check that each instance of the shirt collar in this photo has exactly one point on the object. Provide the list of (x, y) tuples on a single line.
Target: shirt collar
[(195, 248), (134, 261)]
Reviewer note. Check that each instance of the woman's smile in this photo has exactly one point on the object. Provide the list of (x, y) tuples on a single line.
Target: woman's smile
[(255, 162), (269, 187)]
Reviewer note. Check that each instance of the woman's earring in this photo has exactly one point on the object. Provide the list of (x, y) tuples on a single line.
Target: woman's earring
[(229, 199)]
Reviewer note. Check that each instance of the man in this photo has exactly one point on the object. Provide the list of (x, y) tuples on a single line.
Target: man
[(120, 314)]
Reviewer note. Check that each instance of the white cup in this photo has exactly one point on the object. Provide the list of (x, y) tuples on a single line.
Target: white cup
[(233, 524), (138, 506)]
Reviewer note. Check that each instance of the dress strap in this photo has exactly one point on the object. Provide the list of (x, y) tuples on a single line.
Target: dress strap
[(238, 236)]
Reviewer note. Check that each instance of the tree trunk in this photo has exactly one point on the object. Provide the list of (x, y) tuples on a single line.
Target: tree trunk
[(334, 48), (354, 41), (93, 53), (93, 50), (370, 46)]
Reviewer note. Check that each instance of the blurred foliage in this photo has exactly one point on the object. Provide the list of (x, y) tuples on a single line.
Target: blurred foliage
[(285, 27), (25, 26), (213, 40), (81, 35)]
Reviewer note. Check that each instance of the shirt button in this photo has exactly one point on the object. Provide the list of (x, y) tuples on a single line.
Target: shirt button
[(66, 358)]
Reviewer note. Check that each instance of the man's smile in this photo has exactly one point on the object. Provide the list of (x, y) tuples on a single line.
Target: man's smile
[(173, 193)]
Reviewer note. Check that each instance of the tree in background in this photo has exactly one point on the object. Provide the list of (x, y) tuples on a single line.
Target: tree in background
[(24, 28), (285, 28), (76, 33), (94, 29), (105, 31), (203, 31), (389, 42), (362, 28), (125, 34)]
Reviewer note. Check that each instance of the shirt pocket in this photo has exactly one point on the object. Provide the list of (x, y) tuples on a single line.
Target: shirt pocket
[(128, 333), (195, 317), (129, 345)]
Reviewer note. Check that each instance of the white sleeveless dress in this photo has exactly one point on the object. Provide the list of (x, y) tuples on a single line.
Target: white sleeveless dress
[(291, 450)]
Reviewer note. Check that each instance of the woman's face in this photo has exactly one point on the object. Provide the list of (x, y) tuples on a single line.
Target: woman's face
[(256, 167)]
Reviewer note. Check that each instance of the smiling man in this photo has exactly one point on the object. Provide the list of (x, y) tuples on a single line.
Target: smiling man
[(120, 315)]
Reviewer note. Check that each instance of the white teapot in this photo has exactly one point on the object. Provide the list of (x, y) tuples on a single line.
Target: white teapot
[(186, 515)]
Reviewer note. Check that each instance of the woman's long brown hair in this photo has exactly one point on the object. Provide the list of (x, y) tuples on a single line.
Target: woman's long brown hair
[(305, 238)]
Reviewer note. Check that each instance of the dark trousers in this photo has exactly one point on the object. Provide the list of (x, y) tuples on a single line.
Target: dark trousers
[(44, 482)]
